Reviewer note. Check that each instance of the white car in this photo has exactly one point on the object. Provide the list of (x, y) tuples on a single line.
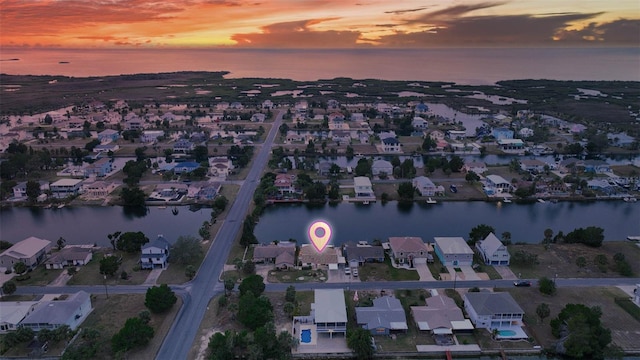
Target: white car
[(347, 271), (355, 272)]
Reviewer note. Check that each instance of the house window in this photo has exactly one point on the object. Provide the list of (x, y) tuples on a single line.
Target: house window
[(401, 254)]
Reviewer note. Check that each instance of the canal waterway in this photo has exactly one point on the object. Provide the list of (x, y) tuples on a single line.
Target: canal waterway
[(350, 222)]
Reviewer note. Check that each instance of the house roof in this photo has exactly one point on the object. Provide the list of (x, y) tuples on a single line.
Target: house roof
[(160, 242), (407, 244), (453, 245), (490, 303), (381, 163), (360, 181), (309, 255), (271, 251), (67, 254), (423, 182), (66, 182), (329, 306), (390, 141), (12, 312), (27, 248), (57, 311), (497, 179), (490, 244), (386, 312), (286, 258), (361, 253), (440, 312)]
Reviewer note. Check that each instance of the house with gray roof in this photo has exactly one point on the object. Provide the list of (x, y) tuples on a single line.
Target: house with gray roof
[(453, 251), (406, 249), (51, 315), (155, 254), (381, 166), (328, 313), (358, 254), (425, 186), (493, 310), (31, 251), (385, 316), (493, 251)]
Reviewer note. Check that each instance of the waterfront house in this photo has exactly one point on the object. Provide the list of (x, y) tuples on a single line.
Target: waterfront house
[(105, 148), (328, 313), (387, 134), (30, 251), (65, 187), (69, 256), (361, 253), (406, 249), (285, 183), (602, 186), (13, 312), (478, 167), (267, 104), (493, 310), (220, 166), (208, 192), (108, 135), (282, 255), (568, 165), (330, 256), (363, 188), (391, 145), (456, 134), (595, 166), (53, 314), (155, 254), (98, 189), (20, 190), (502, 133), (381, 166), (498, 183), (532, 165), (384, 317), (493, 251), (425, 186), (511, 146), (453, 251), (441, 316)]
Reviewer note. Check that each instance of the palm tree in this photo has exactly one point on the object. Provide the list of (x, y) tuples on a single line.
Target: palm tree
[(60, 243)]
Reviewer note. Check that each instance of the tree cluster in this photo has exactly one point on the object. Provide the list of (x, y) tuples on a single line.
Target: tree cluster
[(581, 332), (591, 236), (160, 298)]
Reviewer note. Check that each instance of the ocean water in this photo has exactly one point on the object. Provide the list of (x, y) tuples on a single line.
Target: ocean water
[(472, 66)]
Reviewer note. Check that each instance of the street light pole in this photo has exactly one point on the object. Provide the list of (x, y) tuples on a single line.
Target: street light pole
[(105, 286)]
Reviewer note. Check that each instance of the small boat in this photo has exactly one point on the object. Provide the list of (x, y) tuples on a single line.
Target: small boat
[(366, 202), (630, 199), (431, 201), (506, 200), (63, 62), (60, 206), (49, 206), (174, 211), (541, 201)]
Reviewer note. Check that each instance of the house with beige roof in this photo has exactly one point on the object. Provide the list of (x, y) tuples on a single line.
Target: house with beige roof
[(407, 249), (453, 251), (69, 256), (440, 316), (330, 256), (31, 251), (282, 255), (13, 312)]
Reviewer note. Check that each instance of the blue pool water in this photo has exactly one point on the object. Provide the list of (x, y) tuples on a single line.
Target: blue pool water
[(305, 336), (506, 333)]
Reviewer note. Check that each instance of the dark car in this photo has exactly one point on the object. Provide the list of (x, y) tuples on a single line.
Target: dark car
[(453, 188), (524, 283)]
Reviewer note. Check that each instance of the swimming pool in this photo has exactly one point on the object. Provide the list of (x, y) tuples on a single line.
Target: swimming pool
[(506, 333), (305, 336)]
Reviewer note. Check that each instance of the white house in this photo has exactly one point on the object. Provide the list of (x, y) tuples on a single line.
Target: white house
[(493, 251), (453, 251), (363, 188), (493, 310), (65, 187), (13, 312), (478, 167), (381, 166), (532, 165), (155, 254), (53, 314), (525, 132), (425, 186), (499, 183), (390, 145), (419, 123), (69, 256)]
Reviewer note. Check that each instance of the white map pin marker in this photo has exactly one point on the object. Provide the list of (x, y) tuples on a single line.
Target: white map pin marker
[(319, 234)]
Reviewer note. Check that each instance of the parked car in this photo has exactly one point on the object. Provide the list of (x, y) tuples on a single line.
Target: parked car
[(355, 272), (347, 271), (453, 188), (522, 283)]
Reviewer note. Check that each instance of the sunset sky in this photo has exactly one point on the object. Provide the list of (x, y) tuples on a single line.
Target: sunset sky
[(317, 23)]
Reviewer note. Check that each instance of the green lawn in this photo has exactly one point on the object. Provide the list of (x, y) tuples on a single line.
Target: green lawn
[(304, 300), (297, 276), (38, 276), (386, 272), (90, 274)]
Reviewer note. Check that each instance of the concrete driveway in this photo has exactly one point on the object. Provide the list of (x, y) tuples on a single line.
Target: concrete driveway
[(423, 270)]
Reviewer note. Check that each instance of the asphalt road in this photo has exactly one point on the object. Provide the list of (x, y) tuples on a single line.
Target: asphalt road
[(205, 285)]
